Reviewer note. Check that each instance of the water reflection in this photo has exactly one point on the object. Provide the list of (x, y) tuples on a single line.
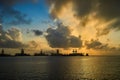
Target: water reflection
[(60, 68), (85, 68)]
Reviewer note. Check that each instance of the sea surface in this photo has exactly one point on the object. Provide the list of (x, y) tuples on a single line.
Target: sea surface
[(60, 68)]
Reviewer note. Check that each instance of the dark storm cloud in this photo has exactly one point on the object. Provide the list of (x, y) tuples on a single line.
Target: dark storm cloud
[(109, 9), (75, 42), (61, 38), (95, 44), (106, 10), (81, 7), (10, 38), (11, 44), (11, 16), (37, 32)]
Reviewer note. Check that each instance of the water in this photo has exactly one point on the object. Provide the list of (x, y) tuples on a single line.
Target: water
[(60, 68)]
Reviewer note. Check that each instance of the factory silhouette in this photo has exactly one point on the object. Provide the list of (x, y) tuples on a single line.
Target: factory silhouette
[(41, 53)]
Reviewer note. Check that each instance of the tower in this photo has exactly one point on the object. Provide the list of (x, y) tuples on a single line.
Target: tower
[(75, 51), (22, 51), (57, 51), (41, 52), (2, 52)]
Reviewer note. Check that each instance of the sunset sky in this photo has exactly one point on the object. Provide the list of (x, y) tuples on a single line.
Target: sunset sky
[(91, 26)]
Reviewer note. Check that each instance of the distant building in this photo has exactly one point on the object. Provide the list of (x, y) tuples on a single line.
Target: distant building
[(57, 51), (2, 51), (2, 54), (22, 51), (87, 54), (40, 54), (74, 51)]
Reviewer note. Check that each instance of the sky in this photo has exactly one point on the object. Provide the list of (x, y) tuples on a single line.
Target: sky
[(89, 26)]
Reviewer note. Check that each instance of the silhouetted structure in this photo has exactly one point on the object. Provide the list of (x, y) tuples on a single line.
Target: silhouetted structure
[(87, 54), (3, 54), (22, 53), (40, 54), (75, 53), (57, 53)]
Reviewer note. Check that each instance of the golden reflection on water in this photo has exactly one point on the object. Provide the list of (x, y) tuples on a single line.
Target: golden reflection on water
[(60, 68)]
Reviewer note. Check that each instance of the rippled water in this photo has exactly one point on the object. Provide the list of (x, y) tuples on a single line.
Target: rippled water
[(60, 68)]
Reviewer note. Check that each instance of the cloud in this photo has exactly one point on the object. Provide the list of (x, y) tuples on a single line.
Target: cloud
[(56, 7), (61, 38), (75, 42), (37, 32), (95, 44), (11, 44), (15, 34), (101, 48), (109, 9), (9, 15), (81, 7), (12, 38), (33, 44), (103, 10)]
